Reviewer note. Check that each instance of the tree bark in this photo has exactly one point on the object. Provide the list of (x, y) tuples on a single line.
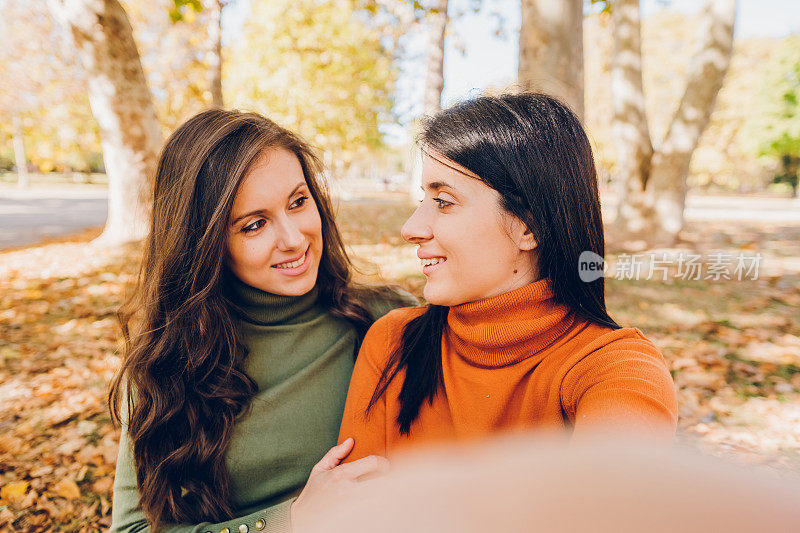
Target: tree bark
[(20, 160), (551, 50), (650, 210), (434, 79), (122, 104), (214, 54), (630, 129)]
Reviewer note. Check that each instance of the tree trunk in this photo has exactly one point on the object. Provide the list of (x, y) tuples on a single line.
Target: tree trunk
[(20, 160), (122, 105), (630, 129), (434, 80), (650, 210), (551, 50), (214, 54)]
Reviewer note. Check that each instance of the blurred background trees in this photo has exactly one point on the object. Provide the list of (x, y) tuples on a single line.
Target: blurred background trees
[(666, 114), (434, 75), (778, 130), (321, 68), (652, 181), (551, 49), (44, 105)]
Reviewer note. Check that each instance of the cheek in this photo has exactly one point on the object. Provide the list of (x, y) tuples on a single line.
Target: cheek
[(313, 225), (244, 254), (501, 254), (481, 247), (466, 240)]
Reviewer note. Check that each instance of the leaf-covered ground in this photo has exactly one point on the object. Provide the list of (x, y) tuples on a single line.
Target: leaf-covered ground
[(733, 347)]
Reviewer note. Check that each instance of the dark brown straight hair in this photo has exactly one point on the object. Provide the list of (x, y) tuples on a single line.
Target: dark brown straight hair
[(533, 151), (182, 382)]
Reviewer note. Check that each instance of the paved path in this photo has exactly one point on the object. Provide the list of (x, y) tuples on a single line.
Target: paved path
[(30, 215), (736, 208)]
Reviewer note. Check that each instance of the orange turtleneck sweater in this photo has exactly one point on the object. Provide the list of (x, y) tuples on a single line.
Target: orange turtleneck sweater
[(514, 361)]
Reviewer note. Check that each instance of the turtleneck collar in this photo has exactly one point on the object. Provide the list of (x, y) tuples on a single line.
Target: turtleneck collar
[(267, 309), (508, 328)]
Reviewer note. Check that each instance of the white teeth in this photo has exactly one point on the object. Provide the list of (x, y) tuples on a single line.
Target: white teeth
[(293, 264), (432, 261)]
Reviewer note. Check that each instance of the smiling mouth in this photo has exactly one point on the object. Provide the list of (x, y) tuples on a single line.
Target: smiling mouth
[(293, 264), (429, 261)]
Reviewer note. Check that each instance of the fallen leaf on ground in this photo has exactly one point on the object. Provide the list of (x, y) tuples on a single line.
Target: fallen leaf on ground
[(68, 489), (14, 491)]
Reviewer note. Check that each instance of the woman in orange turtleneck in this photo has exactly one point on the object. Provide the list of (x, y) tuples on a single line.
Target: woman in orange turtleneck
[(515, 334)]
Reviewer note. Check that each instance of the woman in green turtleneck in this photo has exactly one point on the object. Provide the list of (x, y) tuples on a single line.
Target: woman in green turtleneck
[(239, 339)]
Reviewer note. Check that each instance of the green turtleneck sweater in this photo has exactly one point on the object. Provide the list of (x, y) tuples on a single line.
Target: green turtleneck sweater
[(301, 357)]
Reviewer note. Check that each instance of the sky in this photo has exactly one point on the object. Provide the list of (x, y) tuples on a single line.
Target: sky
[(487, 59)]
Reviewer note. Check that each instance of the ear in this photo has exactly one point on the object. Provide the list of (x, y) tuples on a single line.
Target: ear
[(522, 236), (527, 242)]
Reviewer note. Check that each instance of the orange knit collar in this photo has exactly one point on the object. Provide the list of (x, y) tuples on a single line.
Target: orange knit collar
[(508, 328)]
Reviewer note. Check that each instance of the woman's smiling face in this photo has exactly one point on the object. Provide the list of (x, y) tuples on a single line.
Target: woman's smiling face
[(275, 232), (469, 247)]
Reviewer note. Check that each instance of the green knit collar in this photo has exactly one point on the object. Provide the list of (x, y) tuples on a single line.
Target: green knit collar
[(267, 309)]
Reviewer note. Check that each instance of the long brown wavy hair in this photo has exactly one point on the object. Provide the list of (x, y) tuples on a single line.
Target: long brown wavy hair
[(182, 382)]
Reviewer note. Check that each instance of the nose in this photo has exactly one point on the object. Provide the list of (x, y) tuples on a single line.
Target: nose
[(289, 235), (417, 228)]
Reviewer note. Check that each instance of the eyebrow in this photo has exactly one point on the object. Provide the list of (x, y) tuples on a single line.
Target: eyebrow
[(260, 211), (436, 185)]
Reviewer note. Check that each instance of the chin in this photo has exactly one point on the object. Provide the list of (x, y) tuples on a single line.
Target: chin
[(298, 289), (439, 297), (292, 292)]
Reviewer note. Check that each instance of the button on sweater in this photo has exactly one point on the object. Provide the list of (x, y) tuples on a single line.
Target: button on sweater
[(515, 361), (301, 357)]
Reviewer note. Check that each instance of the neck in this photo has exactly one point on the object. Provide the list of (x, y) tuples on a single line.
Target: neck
[(264, 308)]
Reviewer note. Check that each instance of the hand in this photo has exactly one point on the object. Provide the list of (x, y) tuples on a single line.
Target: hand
[(329, 478)]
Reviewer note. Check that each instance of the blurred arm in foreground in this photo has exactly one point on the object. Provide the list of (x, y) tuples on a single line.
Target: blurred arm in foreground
[(521, 483)]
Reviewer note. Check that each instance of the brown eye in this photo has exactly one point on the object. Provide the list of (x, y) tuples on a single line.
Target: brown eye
[(254, 226), (300, 202), (442, 203)]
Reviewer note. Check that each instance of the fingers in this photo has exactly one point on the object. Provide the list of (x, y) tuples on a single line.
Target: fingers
[(334, 456), (368, 465)]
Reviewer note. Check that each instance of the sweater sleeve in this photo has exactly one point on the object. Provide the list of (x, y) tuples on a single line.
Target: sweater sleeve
[(368, 429), (622, 385), (128, 517)]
